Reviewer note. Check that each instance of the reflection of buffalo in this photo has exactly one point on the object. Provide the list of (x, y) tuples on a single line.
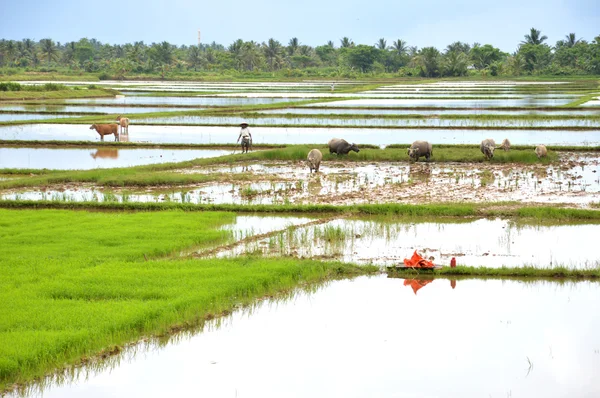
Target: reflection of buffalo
[(107, 153)]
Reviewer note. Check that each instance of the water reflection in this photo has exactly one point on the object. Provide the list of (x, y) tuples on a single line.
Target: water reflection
[(106, 153), (417, 284), (368, 336)]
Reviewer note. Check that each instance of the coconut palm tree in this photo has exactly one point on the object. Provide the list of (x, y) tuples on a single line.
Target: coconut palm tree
[(400, 47), (381, 44), (10, 50), (534, 37), (195, 56), (48, 49), (455, 63), (330, 44), (272, 51), (346, 42), (458, 46), (571, 40), (293, 45), (428, 59)]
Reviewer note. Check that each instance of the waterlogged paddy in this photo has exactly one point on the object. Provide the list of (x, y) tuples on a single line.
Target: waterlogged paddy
[(358, 122), (418, 111), (384, 242), (90, 109), (301, 135), (92, 158), (576, 180), (11, 117), (356, 338), (147, 100), (447, 103)]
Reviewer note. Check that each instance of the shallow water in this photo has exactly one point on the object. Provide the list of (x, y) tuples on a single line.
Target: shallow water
[(576, 180), (374, 336), (358, 122), (88, 158), (12, 117), (91, 109), (299, 135), (453, 103), (178, 100), (417, 111), (483, 242)]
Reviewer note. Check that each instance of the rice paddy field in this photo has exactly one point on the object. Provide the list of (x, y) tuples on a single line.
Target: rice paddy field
[(168, 262)]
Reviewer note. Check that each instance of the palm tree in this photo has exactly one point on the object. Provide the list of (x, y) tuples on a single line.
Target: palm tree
[(293, 45), (455, 63), (458, 46), (49, 49), (29, 46), (195, 56), (428, 60), (330, 44), (272, 51), (534, 37), (381, 44), (346, 42), (236, 47), (250, 56), (10, 49), (571, 40), (400, 46)]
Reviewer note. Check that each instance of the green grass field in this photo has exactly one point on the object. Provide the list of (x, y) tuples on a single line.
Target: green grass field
[(76, 283)]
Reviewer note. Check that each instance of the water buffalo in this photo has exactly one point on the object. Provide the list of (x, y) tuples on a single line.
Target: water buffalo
[(541, 151), (124, 123), (314, 160), (106, 129), (505, 144), (420, 148), (341, 147), (487, 148)]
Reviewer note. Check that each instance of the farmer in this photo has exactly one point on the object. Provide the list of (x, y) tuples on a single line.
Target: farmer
[(245, 136)]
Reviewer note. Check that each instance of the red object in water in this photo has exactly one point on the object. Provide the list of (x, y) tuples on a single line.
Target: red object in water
[(453, 263), (416, 261)]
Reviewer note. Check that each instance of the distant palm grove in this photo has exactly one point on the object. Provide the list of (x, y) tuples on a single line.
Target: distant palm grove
[(342, 59)]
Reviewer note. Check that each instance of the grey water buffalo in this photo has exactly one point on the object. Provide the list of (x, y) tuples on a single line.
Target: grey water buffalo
[(541, 151), (418, 149), (106, 129), (487, 148), (314, 160), (341, 146), (505, 144)]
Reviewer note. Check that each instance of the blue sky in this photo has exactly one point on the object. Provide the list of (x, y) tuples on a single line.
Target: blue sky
[(422, 23)]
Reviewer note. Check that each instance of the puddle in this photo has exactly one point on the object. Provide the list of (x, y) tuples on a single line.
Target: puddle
[(359, 122), (299, 135), (88, 158), (355, 338), (576, 180), (451, 103), (483, 242), (177, 100)]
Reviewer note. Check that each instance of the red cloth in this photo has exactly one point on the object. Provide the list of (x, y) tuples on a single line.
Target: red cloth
[(453, 263), (416, 261)]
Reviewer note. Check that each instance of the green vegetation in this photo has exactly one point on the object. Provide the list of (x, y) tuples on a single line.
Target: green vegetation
[(525, 272), (56, 93), (81, 284)]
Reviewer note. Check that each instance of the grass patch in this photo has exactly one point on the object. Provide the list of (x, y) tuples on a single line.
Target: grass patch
[(79, 284), (503, 272), (58, 94)]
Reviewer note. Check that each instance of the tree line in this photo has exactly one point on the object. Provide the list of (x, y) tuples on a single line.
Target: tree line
[(569, 56)]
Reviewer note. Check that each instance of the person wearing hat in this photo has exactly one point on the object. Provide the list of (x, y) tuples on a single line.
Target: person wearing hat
[(245, 136)]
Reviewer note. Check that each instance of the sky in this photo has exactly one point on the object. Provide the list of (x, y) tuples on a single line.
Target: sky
[(314, 22)]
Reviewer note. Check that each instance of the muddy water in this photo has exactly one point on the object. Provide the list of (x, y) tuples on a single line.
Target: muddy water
[(299, 135), (453, 103), (177, 100), (359, 122), (483, 242), (83, 159), (418, 111), (576, 180), (376, 337)]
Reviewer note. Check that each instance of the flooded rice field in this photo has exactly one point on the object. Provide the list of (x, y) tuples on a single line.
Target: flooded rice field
[(93, 158), (147, 100), (427, 111), (370, 122), (448, 103), (355, 338), (13, 117), (106, 109), (300, 135), (575, 181), (385, 241)]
